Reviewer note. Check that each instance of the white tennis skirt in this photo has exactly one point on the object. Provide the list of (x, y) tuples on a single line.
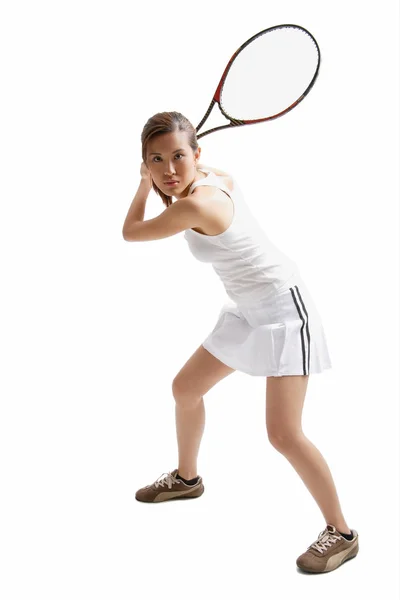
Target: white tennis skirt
[(283, 336)]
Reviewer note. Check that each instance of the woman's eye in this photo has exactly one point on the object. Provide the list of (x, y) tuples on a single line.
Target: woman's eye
[(179, 154)]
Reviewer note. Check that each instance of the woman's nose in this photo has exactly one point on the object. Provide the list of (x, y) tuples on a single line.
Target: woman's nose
[(169, 169)]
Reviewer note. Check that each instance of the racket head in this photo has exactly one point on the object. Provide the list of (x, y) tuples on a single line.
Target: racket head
[(267, 76)]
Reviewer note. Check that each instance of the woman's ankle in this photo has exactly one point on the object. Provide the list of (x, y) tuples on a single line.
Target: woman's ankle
[(188, 475)]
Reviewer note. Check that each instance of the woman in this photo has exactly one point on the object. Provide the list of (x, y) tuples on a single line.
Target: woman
[(269, 327)]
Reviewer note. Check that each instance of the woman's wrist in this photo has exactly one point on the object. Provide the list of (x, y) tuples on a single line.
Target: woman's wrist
[(145, 182)]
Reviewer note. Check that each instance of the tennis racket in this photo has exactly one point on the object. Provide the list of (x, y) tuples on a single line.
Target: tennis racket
[(267, 77)]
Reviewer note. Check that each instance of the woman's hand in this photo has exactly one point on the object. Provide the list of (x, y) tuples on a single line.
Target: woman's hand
[(145, 174)]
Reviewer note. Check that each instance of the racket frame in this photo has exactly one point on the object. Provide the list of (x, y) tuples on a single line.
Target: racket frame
[(217, 95)]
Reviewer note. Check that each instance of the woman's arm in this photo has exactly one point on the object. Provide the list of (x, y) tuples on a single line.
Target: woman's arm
[(138, 206), (179, 216)]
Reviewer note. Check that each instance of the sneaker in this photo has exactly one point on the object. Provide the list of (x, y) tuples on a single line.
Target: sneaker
[(329, 551), (169, 488)]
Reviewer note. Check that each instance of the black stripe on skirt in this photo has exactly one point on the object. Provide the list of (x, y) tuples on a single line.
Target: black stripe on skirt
[(305, 350)]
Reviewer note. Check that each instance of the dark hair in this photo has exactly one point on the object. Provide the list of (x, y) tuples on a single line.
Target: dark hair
[(167, 122)]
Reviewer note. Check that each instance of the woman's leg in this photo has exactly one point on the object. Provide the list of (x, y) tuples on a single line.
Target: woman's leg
[(201, 372), (284, 407)]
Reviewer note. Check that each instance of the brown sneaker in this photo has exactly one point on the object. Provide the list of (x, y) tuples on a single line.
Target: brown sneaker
[(169, 488), (329, 551)]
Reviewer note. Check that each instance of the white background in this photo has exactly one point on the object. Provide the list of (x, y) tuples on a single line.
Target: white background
[(94, 329)]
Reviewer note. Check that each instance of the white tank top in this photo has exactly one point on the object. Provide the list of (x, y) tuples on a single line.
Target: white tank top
[(251, 268)]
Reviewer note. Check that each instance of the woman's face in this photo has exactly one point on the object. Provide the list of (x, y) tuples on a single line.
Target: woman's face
[(169, 157)]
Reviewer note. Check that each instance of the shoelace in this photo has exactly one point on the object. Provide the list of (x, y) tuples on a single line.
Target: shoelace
[(169, 480), (326, 538)]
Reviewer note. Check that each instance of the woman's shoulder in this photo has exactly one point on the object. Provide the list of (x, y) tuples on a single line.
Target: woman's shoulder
[(228, 179)]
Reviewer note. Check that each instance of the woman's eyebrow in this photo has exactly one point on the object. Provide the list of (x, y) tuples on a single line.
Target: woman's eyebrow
[(172, 153)]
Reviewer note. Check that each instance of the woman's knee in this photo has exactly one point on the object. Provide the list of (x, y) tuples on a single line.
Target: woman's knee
[(285, 440), (284, 407), (183, 395), (198, 375)]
